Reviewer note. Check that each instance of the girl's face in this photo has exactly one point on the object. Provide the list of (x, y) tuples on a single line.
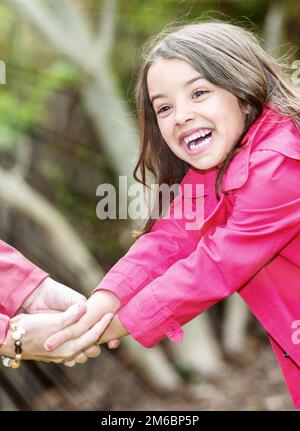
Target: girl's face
[(199, 121)]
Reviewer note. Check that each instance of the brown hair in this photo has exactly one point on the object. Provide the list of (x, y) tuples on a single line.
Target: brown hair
[(228, 56)]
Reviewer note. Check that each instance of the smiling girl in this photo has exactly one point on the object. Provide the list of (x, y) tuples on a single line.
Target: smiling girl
[(198, 120), (215, 109)]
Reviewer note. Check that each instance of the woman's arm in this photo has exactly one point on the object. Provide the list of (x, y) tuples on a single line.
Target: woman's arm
[(27, 288), (4, 322), (18, 279)]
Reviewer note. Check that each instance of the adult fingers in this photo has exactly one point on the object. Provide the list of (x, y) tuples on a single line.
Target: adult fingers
[(80, 359), (44, 359), (68, 297), (93, 351), (58, 296), (70, 363)]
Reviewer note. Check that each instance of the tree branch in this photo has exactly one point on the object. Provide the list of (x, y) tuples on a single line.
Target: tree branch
[(21, 197), (57, 33), (74, 19), (106, 31)]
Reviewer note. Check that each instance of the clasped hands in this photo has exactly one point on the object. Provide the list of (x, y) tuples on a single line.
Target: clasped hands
[(62, 326)]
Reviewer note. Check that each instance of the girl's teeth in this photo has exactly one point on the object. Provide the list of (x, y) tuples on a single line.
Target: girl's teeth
[(197, 135), (193, 146)]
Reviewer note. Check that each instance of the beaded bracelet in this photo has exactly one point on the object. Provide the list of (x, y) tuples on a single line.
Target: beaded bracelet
[(17, 334)]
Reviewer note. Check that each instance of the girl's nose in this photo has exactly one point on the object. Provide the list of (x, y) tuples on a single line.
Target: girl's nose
[(183, 115)]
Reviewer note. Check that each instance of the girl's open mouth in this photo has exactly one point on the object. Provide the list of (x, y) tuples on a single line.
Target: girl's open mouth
[(198, 145)]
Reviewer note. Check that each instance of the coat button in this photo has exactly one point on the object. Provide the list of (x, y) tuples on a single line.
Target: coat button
[(286, 355)]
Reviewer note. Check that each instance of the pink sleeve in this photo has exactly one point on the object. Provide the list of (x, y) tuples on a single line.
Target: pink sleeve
[(4, 321), (156, 251), (265, 217), (19, 277)]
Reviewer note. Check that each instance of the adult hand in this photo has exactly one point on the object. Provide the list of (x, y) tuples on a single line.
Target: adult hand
[(40, 326), (52, 296), (98, 304)]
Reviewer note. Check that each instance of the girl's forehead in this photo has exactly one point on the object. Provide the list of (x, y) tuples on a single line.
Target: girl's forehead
[(170, 71)]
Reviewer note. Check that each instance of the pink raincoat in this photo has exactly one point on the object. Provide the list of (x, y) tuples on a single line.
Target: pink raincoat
[(18, 279), (249, 242)]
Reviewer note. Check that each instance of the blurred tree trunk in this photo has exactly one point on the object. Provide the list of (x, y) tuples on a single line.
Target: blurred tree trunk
[(273, 27), (235, 325), (192, 354)]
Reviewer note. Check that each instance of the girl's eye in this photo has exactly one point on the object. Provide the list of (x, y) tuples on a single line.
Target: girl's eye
[(163, 109), (199, 93)]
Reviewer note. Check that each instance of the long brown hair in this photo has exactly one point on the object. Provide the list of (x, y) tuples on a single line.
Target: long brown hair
[(228, 56)]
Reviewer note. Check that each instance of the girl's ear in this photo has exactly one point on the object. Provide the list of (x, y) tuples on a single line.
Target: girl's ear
[(245, 108)]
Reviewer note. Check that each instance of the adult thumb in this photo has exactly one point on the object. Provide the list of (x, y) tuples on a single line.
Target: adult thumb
[(62, 297)]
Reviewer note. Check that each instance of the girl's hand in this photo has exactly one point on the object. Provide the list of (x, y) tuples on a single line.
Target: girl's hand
[(98, 305), (115, 331)]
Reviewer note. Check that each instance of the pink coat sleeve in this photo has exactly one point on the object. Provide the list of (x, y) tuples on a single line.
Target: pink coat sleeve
[(265, 217), (154, 252), (4, 321), (19, 277)]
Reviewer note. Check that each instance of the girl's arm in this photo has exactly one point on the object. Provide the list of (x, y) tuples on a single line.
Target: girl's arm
[(265, 217), (115, 331), (154, 252), (169, 240)]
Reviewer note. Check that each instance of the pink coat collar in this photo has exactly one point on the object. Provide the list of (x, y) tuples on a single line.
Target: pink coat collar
[(258, 137)]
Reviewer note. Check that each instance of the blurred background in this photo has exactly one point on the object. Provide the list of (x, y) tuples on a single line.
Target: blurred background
[(68, 124)]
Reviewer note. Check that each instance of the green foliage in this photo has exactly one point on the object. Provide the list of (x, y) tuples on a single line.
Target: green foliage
[(21, 109), (31, 77)]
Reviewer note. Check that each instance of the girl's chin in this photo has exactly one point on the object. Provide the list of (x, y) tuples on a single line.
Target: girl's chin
[(203, 164)]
